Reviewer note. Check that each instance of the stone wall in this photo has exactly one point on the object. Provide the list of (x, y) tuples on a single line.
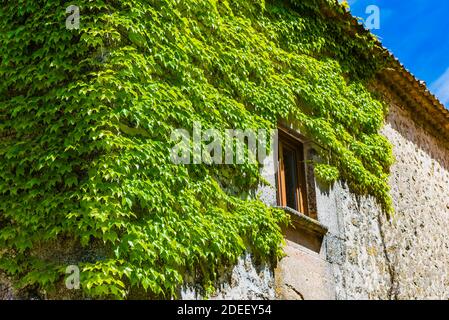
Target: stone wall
[(406, 256), (7, 291), (303, 275), (246, 281), (367, 255)]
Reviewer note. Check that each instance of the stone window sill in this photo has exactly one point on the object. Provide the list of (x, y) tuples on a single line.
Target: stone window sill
[(304, 230)]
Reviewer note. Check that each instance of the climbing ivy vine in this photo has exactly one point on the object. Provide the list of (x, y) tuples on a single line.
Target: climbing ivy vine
[(86, 117)]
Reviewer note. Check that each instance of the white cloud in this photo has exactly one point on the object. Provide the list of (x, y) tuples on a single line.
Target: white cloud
[(441, 88)]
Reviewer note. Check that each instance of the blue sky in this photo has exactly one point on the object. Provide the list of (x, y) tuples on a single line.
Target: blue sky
[(417, 32)]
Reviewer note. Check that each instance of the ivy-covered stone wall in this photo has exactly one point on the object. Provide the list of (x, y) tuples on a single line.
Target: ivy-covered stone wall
[(407, 256), (366, 254), (86, 117)]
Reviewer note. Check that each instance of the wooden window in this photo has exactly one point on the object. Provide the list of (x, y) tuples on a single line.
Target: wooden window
[(291, 174)]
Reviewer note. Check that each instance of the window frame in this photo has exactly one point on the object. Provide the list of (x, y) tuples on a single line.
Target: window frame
[(290, 141)]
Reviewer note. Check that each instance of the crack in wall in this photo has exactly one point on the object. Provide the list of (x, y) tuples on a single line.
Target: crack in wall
[(295, 290), (394, 285)]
